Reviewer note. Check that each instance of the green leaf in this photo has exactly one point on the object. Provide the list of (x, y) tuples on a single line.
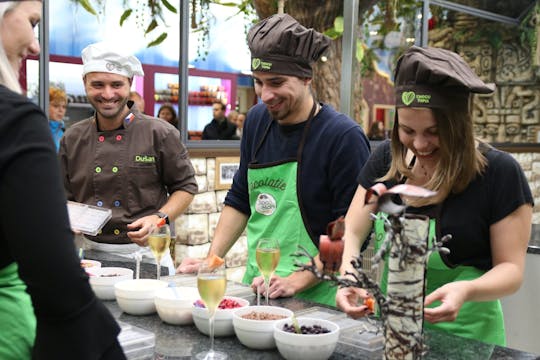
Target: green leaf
[(158, 40), (231, 4), (359, 50), (86, 5), (125, 15), (332, 33), (338, 24), (152, 26), (169, 6)]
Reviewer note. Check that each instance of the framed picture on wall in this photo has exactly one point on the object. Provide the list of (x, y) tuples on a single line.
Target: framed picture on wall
[(226, 167)]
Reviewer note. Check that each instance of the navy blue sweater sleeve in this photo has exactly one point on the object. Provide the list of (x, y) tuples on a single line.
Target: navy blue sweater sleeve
[(238, 197)]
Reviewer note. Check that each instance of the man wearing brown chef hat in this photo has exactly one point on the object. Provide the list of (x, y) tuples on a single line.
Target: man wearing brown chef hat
[(299, 159), (122, 159)]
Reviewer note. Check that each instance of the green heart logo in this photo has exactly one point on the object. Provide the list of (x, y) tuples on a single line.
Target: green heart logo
[(408, 97), (255, 63)]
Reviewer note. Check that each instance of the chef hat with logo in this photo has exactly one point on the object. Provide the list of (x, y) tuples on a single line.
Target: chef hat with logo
[(108, 58), (435, 78), (280, 44)]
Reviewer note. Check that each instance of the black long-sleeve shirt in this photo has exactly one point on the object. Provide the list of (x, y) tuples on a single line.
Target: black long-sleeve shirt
[(35, 233)]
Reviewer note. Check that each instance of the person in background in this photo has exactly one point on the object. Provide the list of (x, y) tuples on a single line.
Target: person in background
[(219, 128), (376, 131), (232, 116), (240, 124), (138, 100), (57, 112), (167, 113), (47, 308), (483, 199), (298, 160), (123, 160)]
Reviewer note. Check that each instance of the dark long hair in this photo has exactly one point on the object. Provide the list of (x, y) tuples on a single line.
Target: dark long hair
[(460, 160)]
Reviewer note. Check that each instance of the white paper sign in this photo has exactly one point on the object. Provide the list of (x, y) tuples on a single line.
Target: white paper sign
[(87, 219)]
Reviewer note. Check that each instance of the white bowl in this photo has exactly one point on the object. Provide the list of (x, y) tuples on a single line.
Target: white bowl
[(136, 297), (102, 280), (174, 305), (87, 264), (258, 334), (293, 346), (223, 320)]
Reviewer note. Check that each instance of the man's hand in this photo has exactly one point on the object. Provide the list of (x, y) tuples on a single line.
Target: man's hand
[(279, 287), (141, 229), (189, 266)]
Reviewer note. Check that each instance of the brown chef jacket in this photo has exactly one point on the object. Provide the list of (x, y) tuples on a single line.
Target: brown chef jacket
[(129, 170)]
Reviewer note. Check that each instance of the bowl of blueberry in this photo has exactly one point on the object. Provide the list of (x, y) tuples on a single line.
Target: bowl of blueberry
[(306, 338)]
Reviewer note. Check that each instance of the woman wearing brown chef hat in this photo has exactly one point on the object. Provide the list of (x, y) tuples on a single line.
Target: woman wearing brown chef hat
[(483, 199)]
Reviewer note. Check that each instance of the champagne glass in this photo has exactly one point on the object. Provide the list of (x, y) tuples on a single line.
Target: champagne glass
[(159, 241), (211, 283), (267, 255)]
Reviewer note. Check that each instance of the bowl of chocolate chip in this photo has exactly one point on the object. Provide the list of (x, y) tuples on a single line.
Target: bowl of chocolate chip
[(254, 325), (102, 280), (306, 338)]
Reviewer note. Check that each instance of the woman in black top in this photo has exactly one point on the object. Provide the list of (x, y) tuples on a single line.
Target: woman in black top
[(47, 308), (483, 199)]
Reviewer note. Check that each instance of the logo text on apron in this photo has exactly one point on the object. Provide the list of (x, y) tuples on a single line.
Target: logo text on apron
[(265, 204)]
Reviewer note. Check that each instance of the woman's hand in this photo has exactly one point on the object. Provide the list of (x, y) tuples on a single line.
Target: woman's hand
[(452, 296), (348, 299)]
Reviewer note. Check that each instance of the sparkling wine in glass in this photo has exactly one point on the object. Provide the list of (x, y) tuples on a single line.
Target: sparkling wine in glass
[(211, 283), (159, 241), (267, 255)]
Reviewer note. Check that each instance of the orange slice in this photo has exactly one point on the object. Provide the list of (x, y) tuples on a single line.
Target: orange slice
[(214, 261), (370, 303), (161, 222)]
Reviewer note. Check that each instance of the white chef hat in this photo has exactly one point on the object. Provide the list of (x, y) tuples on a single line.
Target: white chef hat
[(105, 57)]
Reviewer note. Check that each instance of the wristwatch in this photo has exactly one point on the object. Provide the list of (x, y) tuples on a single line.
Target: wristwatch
[(163, 216)]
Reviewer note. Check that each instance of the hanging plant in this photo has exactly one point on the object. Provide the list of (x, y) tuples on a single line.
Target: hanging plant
[(201, 19), (148, 15)]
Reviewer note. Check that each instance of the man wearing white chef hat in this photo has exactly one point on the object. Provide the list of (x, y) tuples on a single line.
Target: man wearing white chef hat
[(122, 159)]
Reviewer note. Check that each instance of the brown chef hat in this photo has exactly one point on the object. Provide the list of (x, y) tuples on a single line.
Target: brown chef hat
[(435, 78), (280, 44)]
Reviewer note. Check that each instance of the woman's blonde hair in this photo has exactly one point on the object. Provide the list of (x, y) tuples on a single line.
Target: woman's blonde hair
[(460, 160), (8, 76), (57, 95)]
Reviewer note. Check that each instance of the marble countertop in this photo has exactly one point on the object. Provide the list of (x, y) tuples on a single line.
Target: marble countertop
[(180, 342)]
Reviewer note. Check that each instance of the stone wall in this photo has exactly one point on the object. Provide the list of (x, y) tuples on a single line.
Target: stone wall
[(195, 229), (512, 112), (530, 162)]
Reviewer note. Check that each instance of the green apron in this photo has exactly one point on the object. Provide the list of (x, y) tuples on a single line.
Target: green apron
[(481, 321), (276, 213), (16, 316)]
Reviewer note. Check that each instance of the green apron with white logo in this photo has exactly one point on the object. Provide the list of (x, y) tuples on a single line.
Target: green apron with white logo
[(479, 320), (16, 316), (276, 213)]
